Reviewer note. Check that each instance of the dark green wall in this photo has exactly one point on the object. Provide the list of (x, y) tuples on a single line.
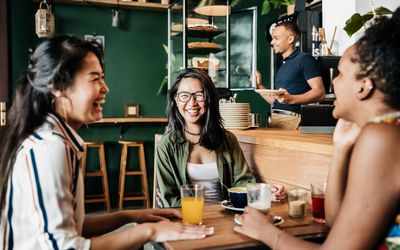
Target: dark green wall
[(135, 66)]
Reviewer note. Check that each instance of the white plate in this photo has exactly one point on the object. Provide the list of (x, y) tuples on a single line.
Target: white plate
[(270, 91), (278, 220), (231, 207)]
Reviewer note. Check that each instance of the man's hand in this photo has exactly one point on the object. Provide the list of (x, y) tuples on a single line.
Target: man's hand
[(284, 98), (259, 81)]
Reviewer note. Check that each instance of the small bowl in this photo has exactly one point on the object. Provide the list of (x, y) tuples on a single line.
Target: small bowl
[(238, 196)]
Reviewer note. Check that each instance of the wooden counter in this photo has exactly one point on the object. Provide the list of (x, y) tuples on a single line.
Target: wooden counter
[(287, 156)]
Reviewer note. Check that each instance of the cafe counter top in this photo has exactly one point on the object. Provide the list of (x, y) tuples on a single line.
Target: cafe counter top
[(286, 156)]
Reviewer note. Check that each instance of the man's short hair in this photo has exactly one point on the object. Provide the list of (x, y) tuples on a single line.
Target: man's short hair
[(291, 26)]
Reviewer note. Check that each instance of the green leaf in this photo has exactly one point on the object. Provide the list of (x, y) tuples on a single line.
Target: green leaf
[(162, 85), (353, 24), (381, 11), (266, 7), (234, 2)]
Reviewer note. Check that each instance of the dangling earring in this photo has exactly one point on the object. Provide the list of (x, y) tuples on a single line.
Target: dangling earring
[(64, 110), (53, 106)]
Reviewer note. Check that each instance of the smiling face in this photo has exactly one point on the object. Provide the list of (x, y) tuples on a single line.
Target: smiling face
[(282, 40), (346, 86), (192, 111), (82, 102)]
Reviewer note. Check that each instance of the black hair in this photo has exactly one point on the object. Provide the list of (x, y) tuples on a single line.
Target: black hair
[(378, 55), (51, 67), (291, 26), (212, 132)]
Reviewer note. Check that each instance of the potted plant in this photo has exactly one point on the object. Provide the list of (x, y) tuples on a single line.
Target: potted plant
[(356, 21), (276, 4)]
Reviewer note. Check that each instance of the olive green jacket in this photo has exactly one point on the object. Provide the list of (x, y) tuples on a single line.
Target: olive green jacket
[(171, 161)]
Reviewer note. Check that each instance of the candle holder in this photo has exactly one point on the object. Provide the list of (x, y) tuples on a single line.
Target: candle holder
[(44, 20)]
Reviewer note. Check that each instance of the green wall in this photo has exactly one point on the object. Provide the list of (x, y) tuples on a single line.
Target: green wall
[(135, 67)]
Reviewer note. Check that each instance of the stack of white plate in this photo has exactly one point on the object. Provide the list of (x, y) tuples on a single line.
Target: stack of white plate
[(235, 115)]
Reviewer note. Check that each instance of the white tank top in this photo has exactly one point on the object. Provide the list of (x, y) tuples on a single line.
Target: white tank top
[(206, 174)]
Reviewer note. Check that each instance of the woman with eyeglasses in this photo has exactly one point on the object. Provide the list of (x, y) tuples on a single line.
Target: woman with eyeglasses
[(196, 148)]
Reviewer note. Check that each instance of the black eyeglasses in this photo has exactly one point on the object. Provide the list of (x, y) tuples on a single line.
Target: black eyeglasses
[(186, 96)]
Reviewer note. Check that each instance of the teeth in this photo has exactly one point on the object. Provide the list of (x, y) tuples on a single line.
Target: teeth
[(99, 102)]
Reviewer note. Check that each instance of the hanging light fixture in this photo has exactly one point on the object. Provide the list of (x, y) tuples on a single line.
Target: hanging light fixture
[(44, 20), (213, 8), (115, 16)]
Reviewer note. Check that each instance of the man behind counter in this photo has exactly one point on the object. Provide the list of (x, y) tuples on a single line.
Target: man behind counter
[(298, 77)]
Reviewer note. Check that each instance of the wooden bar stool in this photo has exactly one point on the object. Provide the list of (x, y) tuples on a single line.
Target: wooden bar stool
[(134, 196), (101, 171)]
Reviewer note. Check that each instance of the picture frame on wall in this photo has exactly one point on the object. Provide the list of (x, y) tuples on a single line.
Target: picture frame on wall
[(132, 110), (96, 38)]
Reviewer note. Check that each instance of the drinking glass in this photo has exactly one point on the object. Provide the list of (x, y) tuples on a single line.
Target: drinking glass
[(297, 202), (259, 196), (318, 190), (192, 199)]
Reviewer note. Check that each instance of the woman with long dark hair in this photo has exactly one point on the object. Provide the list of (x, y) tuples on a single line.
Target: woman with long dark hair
[(196, 147), (363, 195), (41, 184)]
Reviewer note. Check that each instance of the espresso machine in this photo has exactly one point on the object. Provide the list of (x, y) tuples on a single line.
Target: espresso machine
[(317, 118)]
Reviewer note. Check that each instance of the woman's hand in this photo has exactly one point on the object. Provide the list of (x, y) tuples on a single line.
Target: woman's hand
[(345, 134), (279, 193), (253, 223), (168, 231), (153, 215)]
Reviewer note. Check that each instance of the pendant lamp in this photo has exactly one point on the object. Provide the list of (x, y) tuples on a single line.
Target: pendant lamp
[(213, 8), (44, 21)]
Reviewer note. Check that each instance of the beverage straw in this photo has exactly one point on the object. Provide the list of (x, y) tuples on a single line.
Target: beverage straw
[(333, 38)]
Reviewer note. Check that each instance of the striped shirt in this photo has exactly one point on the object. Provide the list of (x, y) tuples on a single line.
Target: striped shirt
[(44, 206)]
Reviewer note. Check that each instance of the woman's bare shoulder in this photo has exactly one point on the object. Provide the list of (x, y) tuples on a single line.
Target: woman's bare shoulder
[(378, 144)]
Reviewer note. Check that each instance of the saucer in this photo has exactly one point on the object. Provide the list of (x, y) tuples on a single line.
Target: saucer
[(278, 220), (227, 205)]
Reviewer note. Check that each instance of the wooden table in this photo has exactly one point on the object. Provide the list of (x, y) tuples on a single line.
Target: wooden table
[(225, 238)]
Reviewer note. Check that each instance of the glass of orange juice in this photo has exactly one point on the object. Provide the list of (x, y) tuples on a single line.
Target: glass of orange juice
[(192, 199)]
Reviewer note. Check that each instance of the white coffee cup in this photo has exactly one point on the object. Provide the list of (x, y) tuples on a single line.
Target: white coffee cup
[(259, 196)]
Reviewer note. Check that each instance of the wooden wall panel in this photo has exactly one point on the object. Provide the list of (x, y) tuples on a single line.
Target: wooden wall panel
[(286, 156), (293, 168)]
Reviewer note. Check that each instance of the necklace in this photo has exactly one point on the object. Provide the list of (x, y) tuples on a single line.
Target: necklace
[(190, 133), (387, 118)]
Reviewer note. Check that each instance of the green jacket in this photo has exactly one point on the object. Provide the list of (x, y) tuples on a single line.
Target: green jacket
[(171, 161)]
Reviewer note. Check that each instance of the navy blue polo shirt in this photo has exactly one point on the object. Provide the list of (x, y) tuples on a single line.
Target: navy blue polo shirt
[(293, 74)]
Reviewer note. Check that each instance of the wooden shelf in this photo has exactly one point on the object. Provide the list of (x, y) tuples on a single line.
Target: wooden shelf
[(113, 3), (115, 120)]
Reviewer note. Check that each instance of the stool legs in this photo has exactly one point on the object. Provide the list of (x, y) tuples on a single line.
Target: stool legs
[(106, 192), (102, 172), (144, 195), (122, 176)]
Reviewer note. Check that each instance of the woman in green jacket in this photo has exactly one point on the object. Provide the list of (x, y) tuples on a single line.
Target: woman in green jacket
[(196, 148)]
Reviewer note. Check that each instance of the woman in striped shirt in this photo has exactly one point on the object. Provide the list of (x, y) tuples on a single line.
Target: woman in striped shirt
[(41, 184)]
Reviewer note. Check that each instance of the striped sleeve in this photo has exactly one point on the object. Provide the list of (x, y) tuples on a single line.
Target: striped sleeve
[(50, 182)]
